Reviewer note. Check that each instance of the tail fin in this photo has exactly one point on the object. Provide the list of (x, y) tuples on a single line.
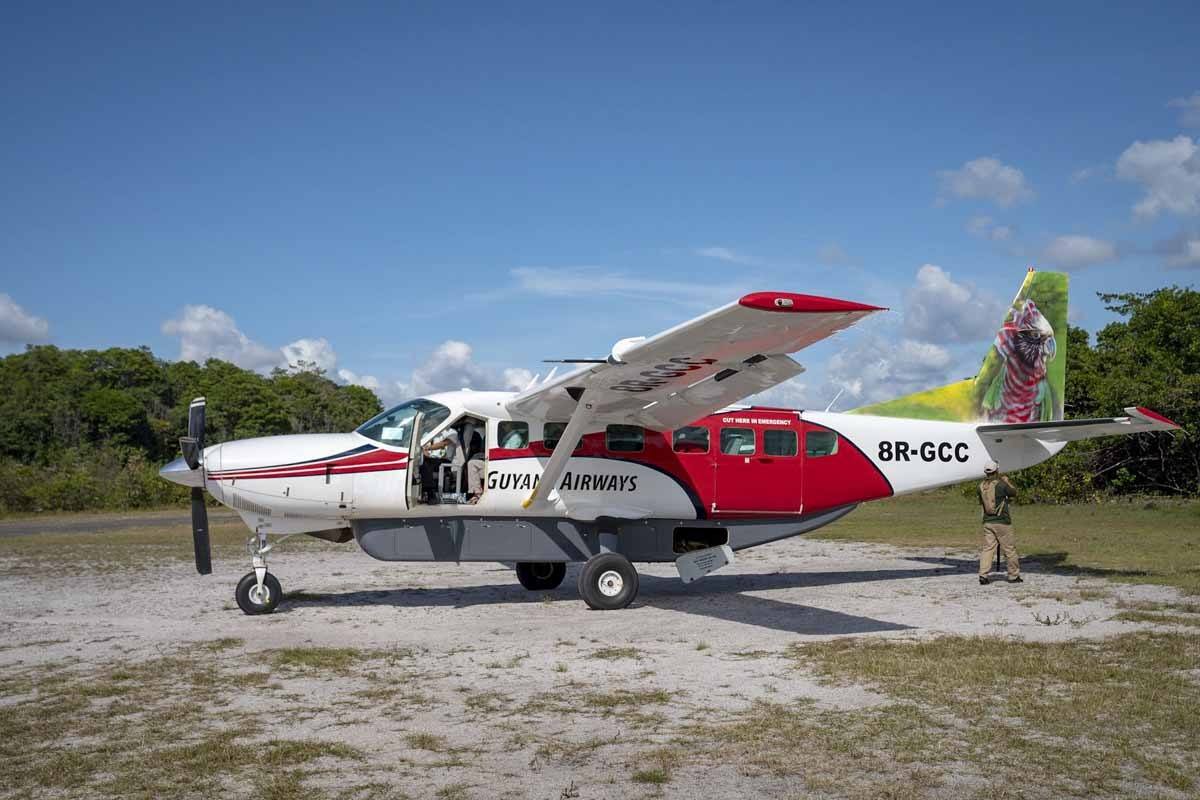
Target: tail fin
[(1023, 375)]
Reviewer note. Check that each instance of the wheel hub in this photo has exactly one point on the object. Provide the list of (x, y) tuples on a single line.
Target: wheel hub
[(611, 583), (260, 595)]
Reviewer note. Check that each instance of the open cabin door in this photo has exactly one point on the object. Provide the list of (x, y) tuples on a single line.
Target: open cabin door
[(413, 475)]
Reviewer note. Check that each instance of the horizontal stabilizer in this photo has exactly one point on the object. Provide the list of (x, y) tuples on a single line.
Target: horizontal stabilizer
[(1139, 420)]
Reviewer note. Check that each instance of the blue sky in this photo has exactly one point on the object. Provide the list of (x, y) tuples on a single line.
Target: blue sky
[(446, 192)]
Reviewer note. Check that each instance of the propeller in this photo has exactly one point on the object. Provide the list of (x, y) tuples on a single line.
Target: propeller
[(193, 454)]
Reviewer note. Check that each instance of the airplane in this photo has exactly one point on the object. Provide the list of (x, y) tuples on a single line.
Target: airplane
[(644, 455)]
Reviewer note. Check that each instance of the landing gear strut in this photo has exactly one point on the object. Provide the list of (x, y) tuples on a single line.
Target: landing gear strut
[(608, 582), (258, 592)]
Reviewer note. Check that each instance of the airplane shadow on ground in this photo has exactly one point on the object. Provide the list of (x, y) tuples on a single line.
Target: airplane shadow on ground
[(718, 596)]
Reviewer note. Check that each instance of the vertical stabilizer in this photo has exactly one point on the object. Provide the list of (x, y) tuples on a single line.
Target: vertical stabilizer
[(1023, 375)]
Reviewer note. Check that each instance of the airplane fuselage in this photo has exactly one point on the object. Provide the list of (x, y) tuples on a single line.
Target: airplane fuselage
[(741, 476)]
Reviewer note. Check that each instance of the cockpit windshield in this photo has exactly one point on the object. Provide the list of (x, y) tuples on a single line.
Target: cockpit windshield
[(394, 426)]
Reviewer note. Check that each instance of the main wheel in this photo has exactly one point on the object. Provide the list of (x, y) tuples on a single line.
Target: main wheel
[(608, 581), (541, 576), (253, 601)]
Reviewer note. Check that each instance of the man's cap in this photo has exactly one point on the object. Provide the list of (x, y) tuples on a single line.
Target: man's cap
[(990, 468)]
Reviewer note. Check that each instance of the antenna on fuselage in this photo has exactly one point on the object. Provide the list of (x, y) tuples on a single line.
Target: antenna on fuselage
[(835, 398)]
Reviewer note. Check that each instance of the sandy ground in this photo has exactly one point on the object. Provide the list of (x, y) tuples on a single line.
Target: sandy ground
[(716, 646)]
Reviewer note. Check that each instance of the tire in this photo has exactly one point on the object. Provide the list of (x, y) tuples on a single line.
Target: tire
[(608, 582), (541, 576), (246, 589)]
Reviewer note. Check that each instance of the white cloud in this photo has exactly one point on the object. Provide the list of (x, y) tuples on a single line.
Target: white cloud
[(1169, 171), (451, 366), (789, 394), (205, 332), (1189, 114), (354, 379), (517, 378), (18, 326), (985, 179), (1077, 252), (317, 352), (985, 227), (937, 309), (591, 281), (1181, 251), (730, 255), (833, 255), (879, 368)]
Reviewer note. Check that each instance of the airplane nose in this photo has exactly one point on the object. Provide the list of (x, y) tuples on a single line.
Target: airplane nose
[(179, 472)]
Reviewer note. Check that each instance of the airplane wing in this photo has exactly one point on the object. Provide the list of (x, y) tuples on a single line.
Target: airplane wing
[(699, 366), (1138, 420), (688, 371)]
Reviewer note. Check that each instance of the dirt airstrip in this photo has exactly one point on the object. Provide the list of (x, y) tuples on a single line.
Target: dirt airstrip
[(453, 681)]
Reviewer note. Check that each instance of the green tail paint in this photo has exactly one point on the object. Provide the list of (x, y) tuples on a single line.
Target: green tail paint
[(1023, 375)]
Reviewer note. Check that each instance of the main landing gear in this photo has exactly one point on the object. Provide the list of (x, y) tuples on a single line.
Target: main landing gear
[(608, 582), (541, 576), (258, 592)]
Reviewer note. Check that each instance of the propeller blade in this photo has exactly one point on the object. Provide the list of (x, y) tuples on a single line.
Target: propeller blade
[(196, 421), (192, 445), (200, 532)]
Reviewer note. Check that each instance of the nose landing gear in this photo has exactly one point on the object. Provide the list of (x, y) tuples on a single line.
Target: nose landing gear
[(258, 592)]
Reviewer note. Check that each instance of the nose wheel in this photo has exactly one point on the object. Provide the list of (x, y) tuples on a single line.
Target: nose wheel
[(259, 591), (256, 598)]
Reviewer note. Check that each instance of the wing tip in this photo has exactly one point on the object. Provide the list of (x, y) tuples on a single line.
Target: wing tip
[(790, 302), (1150, 414)]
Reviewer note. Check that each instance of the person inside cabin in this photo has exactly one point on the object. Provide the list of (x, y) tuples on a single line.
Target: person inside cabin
[(431, 467), (474, 443)]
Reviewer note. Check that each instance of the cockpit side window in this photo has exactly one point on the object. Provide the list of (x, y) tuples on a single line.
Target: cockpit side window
[(394, 426), (513, 435)]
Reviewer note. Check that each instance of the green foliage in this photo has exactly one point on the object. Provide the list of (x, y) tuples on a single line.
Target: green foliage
[(1150, 359), (88, 429)]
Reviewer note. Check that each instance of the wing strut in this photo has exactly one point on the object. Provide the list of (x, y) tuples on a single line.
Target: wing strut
[(580, 419)]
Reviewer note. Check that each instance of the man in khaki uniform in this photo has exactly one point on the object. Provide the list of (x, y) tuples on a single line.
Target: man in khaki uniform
[(995, 492)]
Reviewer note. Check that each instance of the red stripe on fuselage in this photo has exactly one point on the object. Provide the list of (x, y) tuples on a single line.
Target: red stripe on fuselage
[(372, 461)]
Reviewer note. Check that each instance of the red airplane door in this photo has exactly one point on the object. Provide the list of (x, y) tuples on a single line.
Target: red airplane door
[(759, 464)]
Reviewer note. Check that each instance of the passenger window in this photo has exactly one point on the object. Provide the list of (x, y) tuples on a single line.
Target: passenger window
[(552, 432), (513, 435), (820, 443), (692, 439), (624, 438), (737, 441), (779, 443)]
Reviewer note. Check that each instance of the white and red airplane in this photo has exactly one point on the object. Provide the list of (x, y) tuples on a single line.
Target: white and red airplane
[(642, 456)]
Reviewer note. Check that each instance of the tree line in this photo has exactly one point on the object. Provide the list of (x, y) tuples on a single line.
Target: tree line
[(88, 429)]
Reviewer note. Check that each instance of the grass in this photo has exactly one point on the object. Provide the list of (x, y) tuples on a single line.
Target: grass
[(324, 659), (1158, 619), (453, 791), (615, 653), (1079, 718), (154, 728), (427, 741), (1141, 542), (115, 551)]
